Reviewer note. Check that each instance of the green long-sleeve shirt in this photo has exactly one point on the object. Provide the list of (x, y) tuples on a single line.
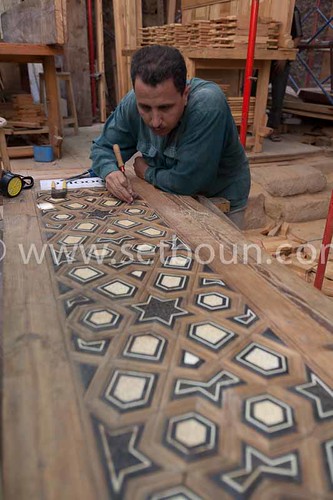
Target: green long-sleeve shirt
[(202, 155)]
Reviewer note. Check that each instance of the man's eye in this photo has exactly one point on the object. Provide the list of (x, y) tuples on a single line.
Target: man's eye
[(165, 108), (144, 108)]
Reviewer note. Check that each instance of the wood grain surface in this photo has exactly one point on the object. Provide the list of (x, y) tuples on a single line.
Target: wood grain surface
[(157, 370)]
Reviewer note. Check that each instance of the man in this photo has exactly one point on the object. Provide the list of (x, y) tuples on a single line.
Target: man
[(279, 78), (185, 132)]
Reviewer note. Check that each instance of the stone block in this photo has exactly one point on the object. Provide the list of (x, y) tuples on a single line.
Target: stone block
[(255, 215), (289, 180), (299, 208)]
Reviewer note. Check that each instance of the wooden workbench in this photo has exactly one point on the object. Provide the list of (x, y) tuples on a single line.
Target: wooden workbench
[(160, 375), (28, 53)]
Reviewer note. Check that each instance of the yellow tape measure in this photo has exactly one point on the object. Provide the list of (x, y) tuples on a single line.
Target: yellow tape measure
[(12, 184)]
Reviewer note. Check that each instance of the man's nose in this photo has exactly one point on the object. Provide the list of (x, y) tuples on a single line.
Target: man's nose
[(155, 119)]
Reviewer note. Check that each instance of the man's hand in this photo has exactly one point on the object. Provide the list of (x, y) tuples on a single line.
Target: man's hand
[(140, 166), (118, 185)]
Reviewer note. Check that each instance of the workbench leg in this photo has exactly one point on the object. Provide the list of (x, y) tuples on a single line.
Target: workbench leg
[(4, 152), (53, 105), (261, 103)]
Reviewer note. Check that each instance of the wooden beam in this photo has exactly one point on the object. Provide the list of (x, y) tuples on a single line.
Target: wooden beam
[(20, 151), (100, 59), (77, 59), (120, 31), (53, 105), (127, 21), (28, 49), (171, 15), (194, 4), (160, 12)]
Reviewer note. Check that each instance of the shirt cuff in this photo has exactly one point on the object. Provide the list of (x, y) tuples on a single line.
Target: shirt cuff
[(107, 169)]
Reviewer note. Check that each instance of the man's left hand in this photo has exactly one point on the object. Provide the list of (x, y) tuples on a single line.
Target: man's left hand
[(140, 167)]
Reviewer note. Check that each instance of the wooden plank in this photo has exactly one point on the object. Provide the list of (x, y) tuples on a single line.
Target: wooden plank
[(193, 4), (26, 49), (127, 21), (100, 59), (307, 106), (43, 384), (5, 163), (120, 24), (261, 103), (76, 60), (34, 21), (59, 21), (171, 14), (53, 104), (160, 12), (27, 131), (20, 151), (240, 53)]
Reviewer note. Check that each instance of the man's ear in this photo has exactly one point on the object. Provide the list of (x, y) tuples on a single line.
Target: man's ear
[(186, 93)]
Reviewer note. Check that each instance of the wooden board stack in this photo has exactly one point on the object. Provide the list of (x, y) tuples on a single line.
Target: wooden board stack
[(226, 32), (236, 104), (26, 110)]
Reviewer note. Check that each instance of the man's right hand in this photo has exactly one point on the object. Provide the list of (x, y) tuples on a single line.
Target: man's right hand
[(118, 185)]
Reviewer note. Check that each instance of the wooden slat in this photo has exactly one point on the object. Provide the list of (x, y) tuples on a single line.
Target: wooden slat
[(42, 385), (20, 151), (193, 4), (77, 60), (100, 59), (171, 11), (120, 23), (27, 49), (127, 21)]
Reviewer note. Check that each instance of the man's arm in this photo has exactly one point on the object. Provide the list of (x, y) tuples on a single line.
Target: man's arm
[(120, 128)]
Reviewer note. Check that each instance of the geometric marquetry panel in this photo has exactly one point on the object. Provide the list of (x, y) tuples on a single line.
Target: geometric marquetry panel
[(188, 389)]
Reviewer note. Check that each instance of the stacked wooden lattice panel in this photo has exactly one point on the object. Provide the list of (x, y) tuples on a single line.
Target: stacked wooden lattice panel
[(226, 32), (26, 110), (236, 104), (23, 109)]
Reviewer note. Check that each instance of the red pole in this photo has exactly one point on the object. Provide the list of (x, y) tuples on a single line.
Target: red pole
[(91, 57), (325, 247), (249, 69)]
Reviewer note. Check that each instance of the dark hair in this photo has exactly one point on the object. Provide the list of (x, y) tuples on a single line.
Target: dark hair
[(156, 63)]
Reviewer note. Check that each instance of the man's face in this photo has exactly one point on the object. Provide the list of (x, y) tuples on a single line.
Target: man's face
[(160, 107)]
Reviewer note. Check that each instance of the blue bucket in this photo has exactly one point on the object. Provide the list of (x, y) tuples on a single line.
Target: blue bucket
[(43, 153)]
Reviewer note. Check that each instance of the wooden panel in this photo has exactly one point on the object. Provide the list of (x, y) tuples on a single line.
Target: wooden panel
[(171, 13), (34, 21), (127, 21), (100, 59), (207, 9), (77, 59), (158, 369)]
